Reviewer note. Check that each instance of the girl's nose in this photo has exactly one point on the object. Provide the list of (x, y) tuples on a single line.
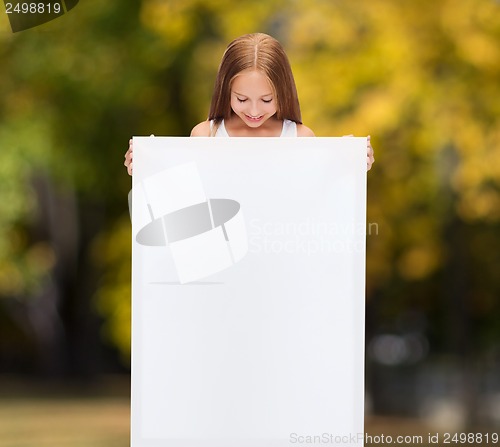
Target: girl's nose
[(253, 111)]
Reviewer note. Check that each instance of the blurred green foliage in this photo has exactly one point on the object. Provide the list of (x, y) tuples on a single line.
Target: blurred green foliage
[(421, 77)]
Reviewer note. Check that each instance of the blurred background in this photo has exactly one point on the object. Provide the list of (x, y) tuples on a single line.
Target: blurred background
[(422, 78)]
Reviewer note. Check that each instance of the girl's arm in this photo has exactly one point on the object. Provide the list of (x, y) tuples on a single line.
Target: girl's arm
[(304, 131), (201, 130)]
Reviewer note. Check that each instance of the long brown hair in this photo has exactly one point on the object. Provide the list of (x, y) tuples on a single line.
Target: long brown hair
[(260, 52)]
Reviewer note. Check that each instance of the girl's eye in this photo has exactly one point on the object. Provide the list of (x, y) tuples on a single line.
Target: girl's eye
[(267, 101), (241, 100)]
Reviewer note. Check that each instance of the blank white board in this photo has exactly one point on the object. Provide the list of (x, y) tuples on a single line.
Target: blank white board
[(248, 291)]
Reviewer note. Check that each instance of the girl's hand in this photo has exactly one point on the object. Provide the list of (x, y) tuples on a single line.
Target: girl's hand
[(128, 157), (370, 159)]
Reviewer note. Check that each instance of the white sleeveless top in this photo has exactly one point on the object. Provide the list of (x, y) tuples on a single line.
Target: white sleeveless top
[(289, 129)]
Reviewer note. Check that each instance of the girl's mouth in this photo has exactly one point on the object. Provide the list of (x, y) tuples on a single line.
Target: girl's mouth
[(254, 119)]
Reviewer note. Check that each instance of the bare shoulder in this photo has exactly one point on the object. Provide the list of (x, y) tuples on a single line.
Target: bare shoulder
[(201, 130), (304, 131)]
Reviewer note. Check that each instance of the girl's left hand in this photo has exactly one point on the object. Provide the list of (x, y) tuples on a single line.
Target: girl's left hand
[(370, 159), (129, 156)]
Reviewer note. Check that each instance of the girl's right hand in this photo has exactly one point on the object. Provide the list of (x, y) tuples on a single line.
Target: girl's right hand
[(128, 157)]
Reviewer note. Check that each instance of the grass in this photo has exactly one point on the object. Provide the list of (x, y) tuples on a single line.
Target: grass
[(37, 415), (64, 422)]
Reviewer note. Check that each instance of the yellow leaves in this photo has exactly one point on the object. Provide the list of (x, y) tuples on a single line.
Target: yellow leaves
[(24, 269), (325, 24), (480, 204), (237, 18), (420, 78), (170, 19), (19, 102), (422, 255), (179, 21), (380, 110), (112, 251), (40, 258), (480, 50), (419, 261), (11, 279), (477, 178), (116, 308), (114, 245), (201, 77), (378, 265), (470, 174), (472, 27)]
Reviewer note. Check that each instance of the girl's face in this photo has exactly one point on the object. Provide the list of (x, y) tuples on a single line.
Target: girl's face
[(252, 98)]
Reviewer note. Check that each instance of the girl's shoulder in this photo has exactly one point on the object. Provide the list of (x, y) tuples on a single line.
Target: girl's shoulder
[(304, 131), (201, 130)]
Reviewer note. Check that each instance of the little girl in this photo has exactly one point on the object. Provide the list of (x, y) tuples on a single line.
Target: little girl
[(254, 95)]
